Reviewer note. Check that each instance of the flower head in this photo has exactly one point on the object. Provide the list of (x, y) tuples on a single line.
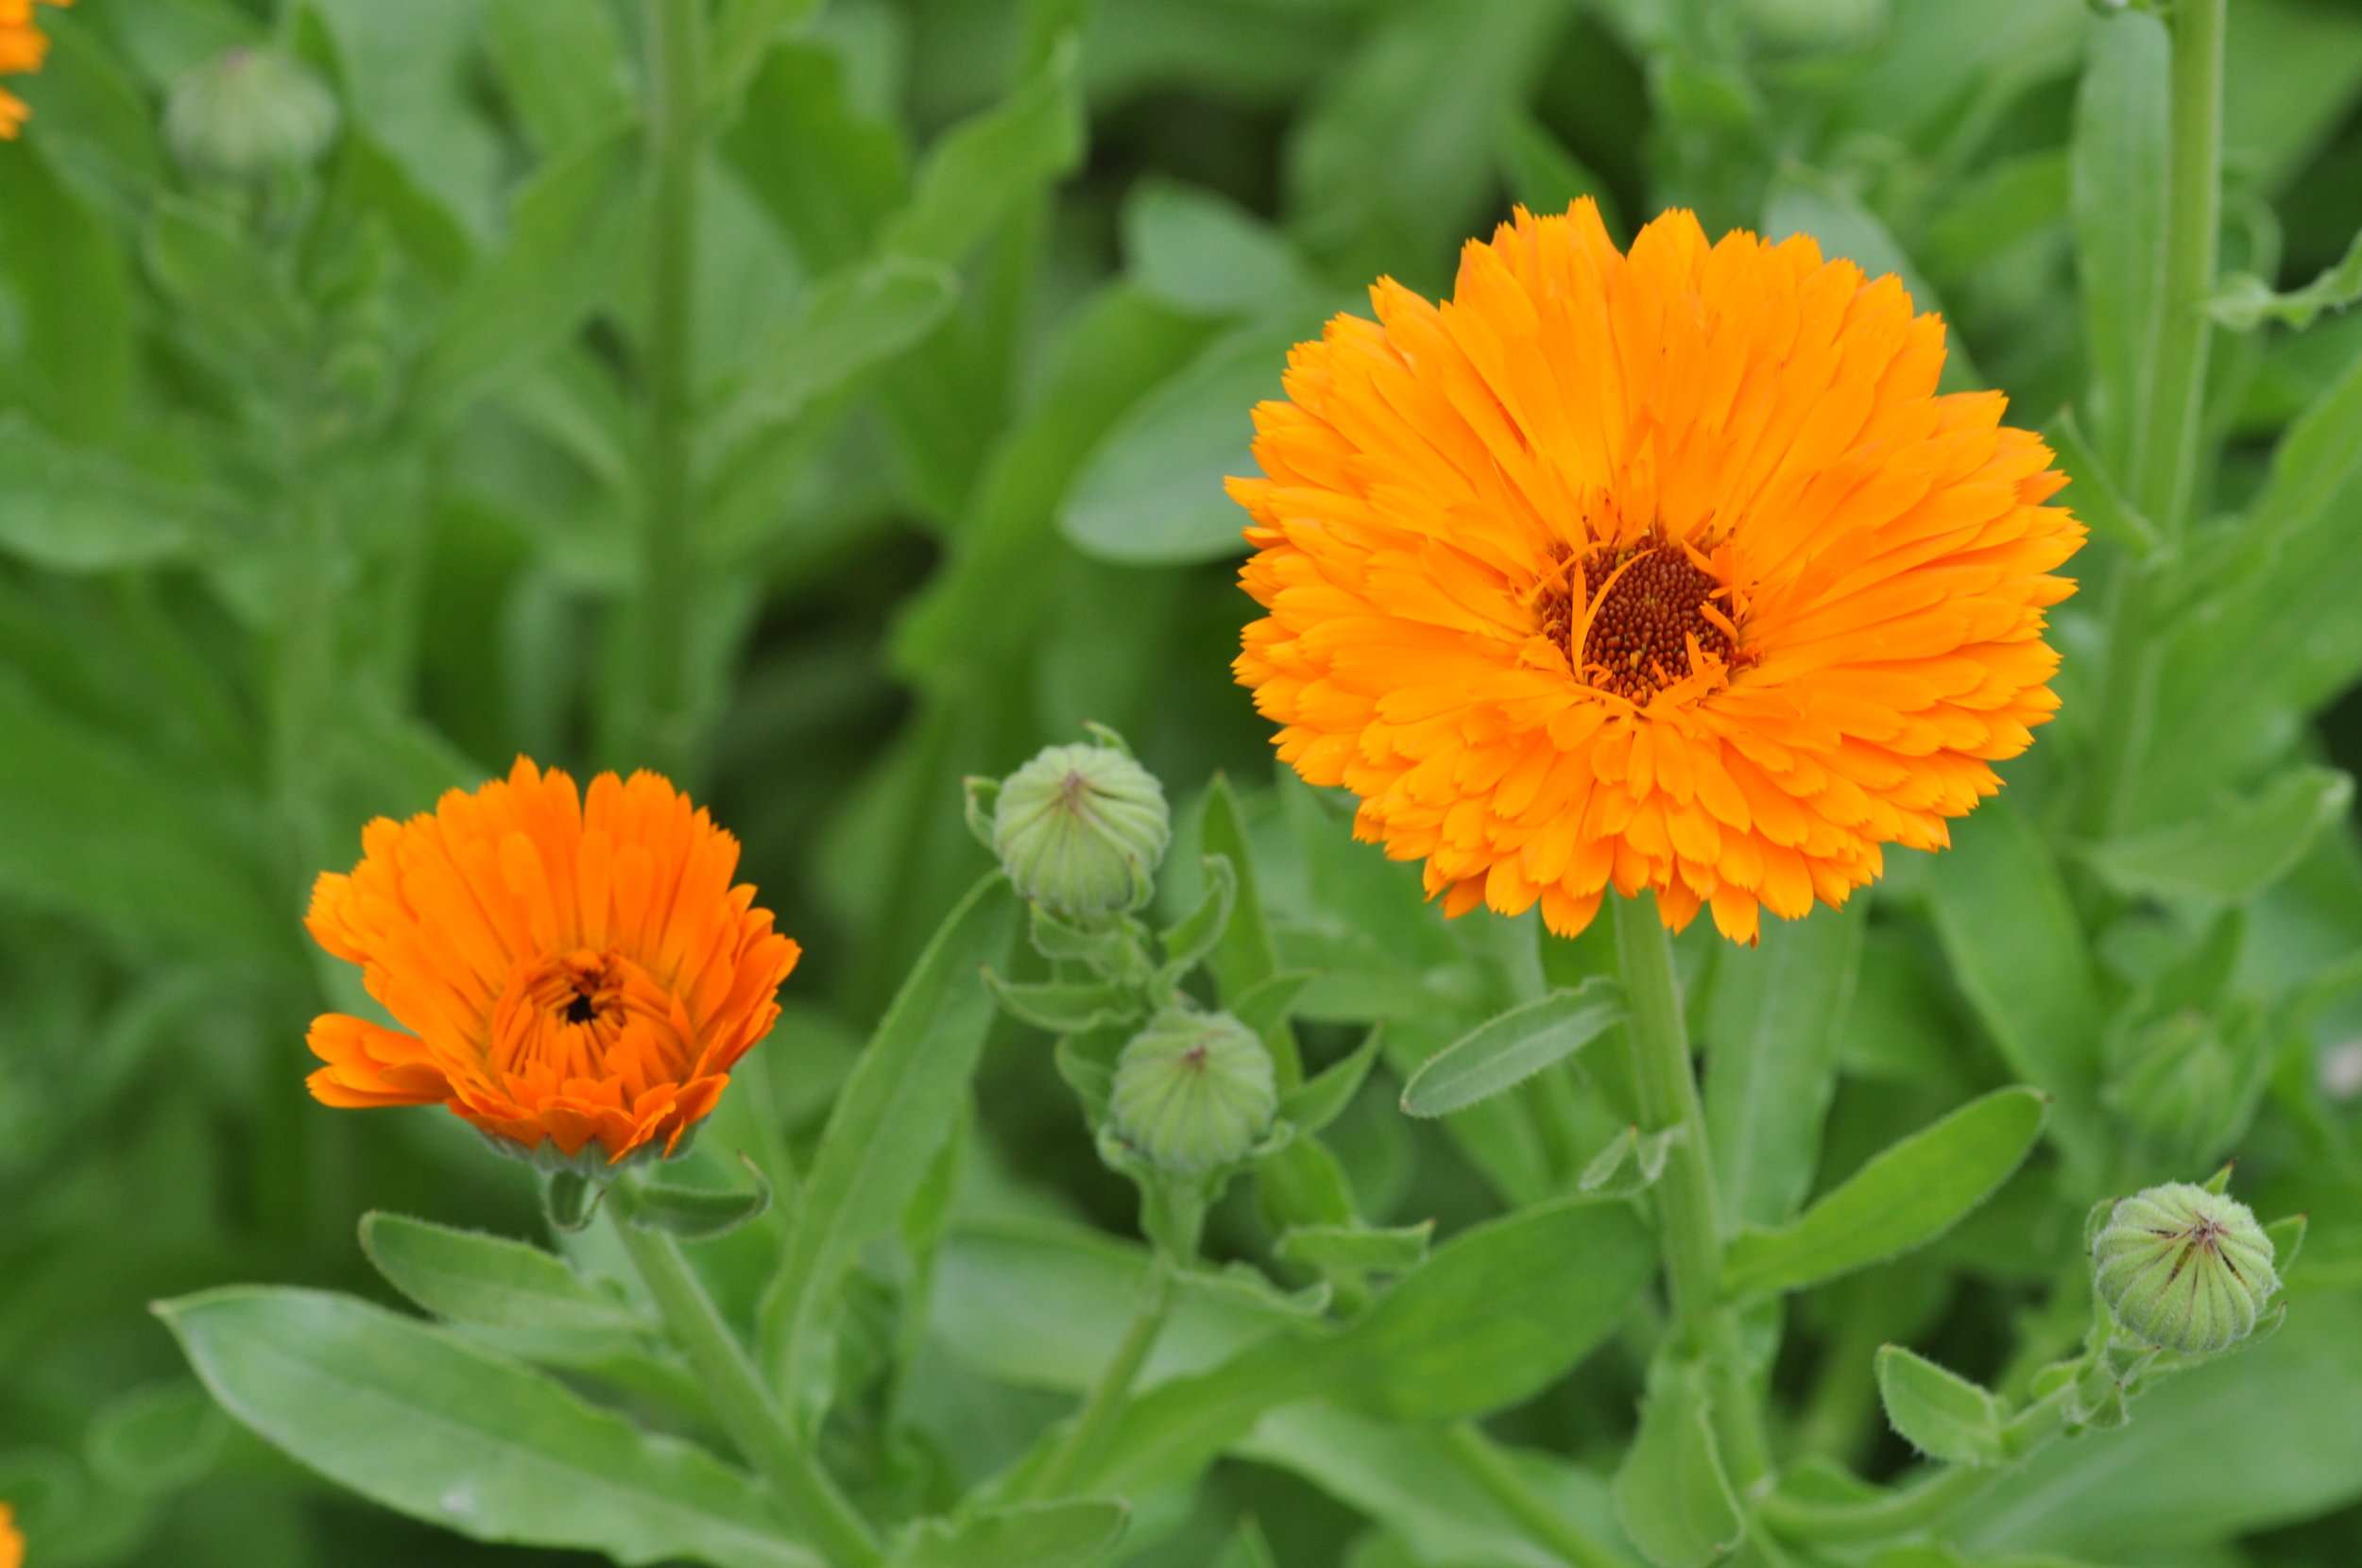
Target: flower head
[(11, 1543), (248, 112), (572, 972), (1193, 1091), (23, 48), (2183, 1267), (1079, 830), (1666, 570)]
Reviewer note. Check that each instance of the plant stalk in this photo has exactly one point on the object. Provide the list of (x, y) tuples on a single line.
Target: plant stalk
[(1925, 1505), (1535, 1514), (741, 1402), (2166, 441), (656, 728), (1687, 1226), (1079, 1451)]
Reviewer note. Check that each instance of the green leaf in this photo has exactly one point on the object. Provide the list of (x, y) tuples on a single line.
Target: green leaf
[(1199, 932), (2018, 952), (744, 34), (827, 175), (1496, 1315), (1246, 956), (2092, 493), (1630, 1163), (1906, 1197), (1247, 1549), (2287, 1240), (893, 1114), (841, 327), (1065, 1007), (1939, 1413), (156, 1439), (1265, 1007), (2235, 851), (1313, 1105), (90, 827), (1501, 1054), (566, 252), (1243, 1285), (1771, 1033), (74, 509), (1394, 1251), (695, 1214), (1024, 1535), (425, 1423), (1152, 494), (470, 1277), (2245, 301), (1197, 252), (563, 61), (1671, 1496), (2117, 195), (74, 361), (982, 168)]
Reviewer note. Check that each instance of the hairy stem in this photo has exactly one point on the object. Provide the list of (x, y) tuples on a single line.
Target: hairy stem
[(741, 1403), (1535, 1514), (2165, 442), (1689, 1229), (1079, 1451), (655, 718), (1925, 1505)]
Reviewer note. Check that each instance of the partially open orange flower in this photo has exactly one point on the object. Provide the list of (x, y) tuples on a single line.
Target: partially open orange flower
[(1664, 571), (572, 972), (23, 48)]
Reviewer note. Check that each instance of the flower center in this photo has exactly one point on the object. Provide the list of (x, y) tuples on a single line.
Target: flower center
[(1653, 602)]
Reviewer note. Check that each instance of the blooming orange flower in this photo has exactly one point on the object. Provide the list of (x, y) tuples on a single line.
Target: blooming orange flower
[(23, 48), (11, 1543), (572, 971), (1664, 571)]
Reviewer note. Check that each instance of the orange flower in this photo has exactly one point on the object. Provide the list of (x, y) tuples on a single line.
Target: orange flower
[(1662, 570), (23, 48), (11, 1543), (571, 972)]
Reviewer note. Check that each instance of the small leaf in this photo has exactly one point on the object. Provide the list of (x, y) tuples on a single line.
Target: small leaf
[(696, 1214), (2235, 851), (1065, 1007), (1199, 932), (1024, 1535), (1195, 252), (1630, 1163), (744, 34), (1513, 1047), (1939, 1413), (1906, 1196), (1315, 1103), (2287, 1240), (2245, 301), (156, 1439), (981, 168), (1395, 1251), (1101, 947), (2092, 490), (472, 1278), (416, 1418), (1264, 1007), (1243, 1285), (571, 1200), (1672, 1496)]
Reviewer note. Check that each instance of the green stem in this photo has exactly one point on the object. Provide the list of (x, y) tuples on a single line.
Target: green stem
[(1079, 1451), (1925, 1505), (656, 729), (1689, 1230), (1535, 1514), (2164, 447), (739, 1401)]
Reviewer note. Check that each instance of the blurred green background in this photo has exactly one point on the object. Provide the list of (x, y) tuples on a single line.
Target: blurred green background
[(325, 485)]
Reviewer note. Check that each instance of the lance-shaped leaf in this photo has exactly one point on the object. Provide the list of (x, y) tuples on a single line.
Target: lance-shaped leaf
[(1065, 1007), (1313, 1105), (1505, 1052), (1630, 1163), (2236, 851), (892, 1115), (1393, 1250), (843, 326), (1025, 1535), (1939, 1413), (470, 1277), (2246, 301), (414, 1418), (983, 167), (696, 1213), (1671, 1496), (2092, 490), (1905, 1198), (1197, 933)]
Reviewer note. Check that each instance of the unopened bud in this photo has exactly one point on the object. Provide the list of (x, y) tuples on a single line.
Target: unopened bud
[(1079, 830), (2185, 1268), (247, 113), (1193, 1092)]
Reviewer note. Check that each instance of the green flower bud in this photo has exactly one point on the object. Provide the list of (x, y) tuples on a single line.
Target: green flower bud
[(2185, 1268), (249, 112), (1079, 830), (1193, 1092)]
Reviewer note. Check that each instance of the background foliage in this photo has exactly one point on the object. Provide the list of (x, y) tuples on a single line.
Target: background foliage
[(319, 495)]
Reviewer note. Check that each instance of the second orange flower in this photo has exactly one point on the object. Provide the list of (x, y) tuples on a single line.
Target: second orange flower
[(1669, 570)]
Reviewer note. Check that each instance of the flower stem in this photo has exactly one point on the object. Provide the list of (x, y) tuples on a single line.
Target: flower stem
[(656, 717), (1925, 1505), (1535, 1514), (1686, 1225), (1072, 1461), (2165, 440), (740, 1402)]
